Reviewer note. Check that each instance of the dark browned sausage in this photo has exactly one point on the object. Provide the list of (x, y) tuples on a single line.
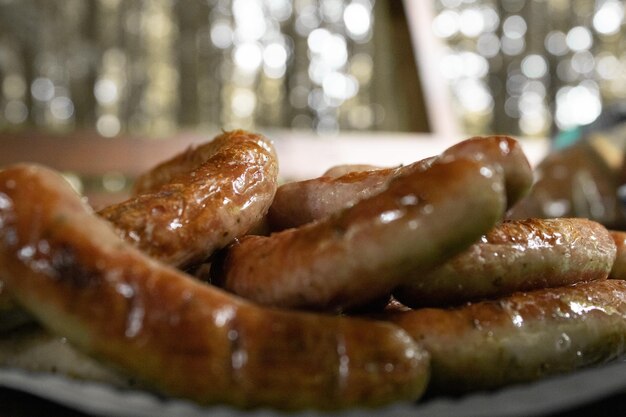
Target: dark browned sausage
[(199, 201), (365, 251)]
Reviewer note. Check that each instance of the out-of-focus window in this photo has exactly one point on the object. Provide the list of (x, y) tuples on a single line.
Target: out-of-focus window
[(154, 67), (531, 67)]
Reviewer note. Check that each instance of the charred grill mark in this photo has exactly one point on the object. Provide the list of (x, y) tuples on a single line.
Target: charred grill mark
[(68, 268)]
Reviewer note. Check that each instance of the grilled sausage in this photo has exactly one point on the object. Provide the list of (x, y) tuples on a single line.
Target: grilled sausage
[(516, 256), (503, 151), (523, 337), (69, 269), (301, 202), (365, 251), (200, 200)]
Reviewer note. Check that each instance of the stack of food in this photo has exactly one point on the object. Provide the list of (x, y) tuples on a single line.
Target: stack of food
[(363, 287)]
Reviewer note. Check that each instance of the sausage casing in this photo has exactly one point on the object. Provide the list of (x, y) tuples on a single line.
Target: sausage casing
[(300, 202), (365, 251), (200, 200), (515, 256), (523, 337), (70, 270), (504, 151)]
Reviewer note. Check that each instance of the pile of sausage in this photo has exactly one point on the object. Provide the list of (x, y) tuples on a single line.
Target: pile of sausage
[(363, 287)]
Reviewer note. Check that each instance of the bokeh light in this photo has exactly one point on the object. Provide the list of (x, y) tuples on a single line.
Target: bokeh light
[(153, 67), (560, 64)]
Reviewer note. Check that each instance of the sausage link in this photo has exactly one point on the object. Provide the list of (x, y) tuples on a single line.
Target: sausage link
[(194, 157), (187, 339), (504, 151), (301, 202), (515, 256), (365, 251), (520, 338), (200, 200)]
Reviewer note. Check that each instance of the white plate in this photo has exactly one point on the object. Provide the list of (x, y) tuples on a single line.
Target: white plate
[(541, 398)]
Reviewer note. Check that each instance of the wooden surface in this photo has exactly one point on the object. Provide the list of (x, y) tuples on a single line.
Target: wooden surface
[(301, 154)]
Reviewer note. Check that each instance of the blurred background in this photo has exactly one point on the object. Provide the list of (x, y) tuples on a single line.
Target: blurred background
[(551, 72), (154, 67)]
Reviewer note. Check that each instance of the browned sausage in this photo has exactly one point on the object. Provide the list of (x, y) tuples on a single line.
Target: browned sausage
[(504, 151), (516, 256), (69, 269), (365, 251), (522, 337), (199, 201), (301, 202)]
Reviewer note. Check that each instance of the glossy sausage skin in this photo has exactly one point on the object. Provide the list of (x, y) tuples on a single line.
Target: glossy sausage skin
[(71, 271), (523, 337), (515, 256), (199, 201), (301, 202), (364, 252), (504, 151)]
